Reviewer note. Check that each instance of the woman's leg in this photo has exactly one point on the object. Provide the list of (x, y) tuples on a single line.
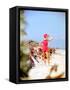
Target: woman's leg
[(48, 56)]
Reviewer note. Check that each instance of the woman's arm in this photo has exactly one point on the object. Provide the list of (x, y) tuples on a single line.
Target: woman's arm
[(50, 38)]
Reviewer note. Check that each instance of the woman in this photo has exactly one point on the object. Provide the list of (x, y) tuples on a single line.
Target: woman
[(45, 49)]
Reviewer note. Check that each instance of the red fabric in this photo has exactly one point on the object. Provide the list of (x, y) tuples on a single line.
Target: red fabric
[(44, 45), (45, 35)]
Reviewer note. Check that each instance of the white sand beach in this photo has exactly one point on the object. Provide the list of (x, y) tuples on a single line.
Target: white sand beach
[(42, 70)]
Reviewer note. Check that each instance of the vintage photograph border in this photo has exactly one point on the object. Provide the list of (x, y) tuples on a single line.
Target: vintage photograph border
[(18, 42)]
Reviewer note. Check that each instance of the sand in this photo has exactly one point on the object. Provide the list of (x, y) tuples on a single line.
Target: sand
[(42, 70)]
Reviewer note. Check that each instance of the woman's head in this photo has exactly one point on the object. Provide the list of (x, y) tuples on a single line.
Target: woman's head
[(45, 36)]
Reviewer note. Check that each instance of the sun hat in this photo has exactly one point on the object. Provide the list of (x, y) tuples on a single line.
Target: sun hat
[(45, 35)]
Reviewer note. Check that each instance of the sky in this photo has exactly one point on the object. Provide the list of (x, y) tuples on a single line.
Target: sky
[(41, 22)]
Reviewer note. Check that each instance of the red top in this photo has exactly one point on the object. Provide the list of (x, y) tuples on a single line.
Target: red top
[(45, 45)]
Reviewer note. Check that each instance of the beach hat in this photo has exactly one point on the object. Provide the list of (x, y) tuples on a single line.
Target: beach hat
[(45, 35)]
